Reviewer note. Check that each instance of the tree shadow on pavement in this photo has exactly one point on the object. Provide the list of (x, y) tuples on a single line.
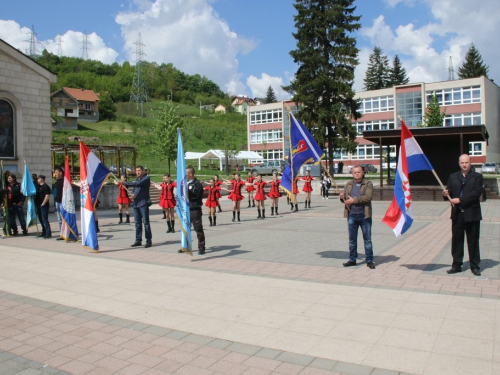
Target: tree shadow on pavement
[(426, 267)]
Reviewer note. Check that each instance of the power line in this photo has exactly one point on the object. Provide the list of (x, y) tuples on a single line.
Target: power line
[(139, 92)]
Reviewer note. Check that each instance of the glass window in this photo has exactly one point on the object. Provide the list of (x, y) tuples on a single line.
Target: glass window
[(7, 141)]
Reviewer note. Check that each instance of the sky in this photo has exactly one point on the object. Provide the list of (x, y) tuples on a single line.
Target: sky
[(245, 46)]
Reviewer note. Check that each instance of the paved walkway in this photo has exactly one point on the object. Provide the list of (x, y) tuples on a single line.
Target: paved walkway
[(270, 296)]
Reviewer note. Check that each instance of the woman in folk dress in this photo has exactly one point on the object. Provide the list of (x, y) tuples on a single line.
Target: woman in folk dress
[(260, 197), (307, 188), (274, 193), (167, 201), (123, 200)]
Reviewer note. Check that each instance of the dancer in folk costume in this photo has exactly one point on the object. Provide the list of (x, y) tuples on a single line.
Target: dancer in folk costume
[(307, 188), (123, 200), (167, 200), (293, 198), (236, 195), (260, 197), (250, 189), (218, 183), (212, 201), (274, 193)]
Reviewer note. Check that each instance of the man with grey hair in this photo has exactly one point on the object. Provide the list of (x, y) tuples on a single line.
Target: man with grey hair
[(464, 188)]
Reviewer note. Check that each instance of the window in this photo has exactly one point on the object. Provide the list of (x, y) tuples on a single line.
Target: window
[(269, 136), (366, 152), (459, 95), (460, 119), (268, 155), (265, 117), (409, 107), (377, 104), (373, 125), (88, 106), (476, 148), (7, 141)]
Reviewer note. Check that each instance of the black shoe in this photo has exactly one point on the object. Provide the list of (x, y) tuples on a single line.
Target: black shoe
[(349, 263), (476, 272), (453, 270), (201, 252), (25, 232), (41, 235), (180, 251), (47, 237), (370, 265), (59, 239), (149, 244), (136, 244)]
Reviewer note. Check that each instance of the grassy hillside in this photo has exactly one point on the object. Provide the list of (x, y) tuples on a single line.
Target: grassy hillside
[(200, 133)]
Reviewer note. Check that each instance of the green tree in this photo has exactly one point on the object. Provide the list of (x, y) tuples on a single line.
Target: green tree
[(473, 65), (378, 73), (433, 117), (270, 95), (107, 108), (326, 56), (398, 73), (165, 130)]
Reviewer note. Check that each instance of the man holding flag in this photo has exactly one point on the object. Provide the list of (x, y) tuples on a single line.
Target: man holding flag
[(69, 230)]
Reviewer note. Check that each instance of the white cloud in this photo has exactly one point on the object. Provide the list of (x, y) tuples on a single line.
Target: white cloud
[(259, 86), (458, 22), (393, 3), (189, 34), (19, 37)]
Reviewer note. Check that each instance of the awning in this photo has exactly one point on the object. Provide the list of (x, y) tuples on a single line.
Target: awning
[(220, 155)]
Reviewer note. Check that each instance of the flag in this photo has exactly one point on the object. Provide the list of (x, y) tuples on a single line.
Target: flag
[(303, 149), (399, 215), (29, 191), (5, 202), (182, 207), (69, 230), (93, 175)]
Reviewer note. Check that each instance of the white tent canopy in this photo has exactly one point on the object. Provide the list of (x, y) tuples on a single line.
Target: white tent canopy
[(221, 155)]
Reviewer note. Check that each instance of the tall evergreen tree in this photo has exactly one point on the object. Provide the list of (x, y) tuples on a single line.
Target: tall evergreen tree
[(270, 95), (377, 74), (473, 65), (398, 73), (327, 56), (433, 117)]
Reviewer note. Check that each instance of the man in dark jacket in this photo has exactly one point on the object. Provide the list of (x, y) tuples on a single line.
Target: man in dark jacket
[(195, 196), (16, 201), (464, 189), (141, 204), (42, 206)]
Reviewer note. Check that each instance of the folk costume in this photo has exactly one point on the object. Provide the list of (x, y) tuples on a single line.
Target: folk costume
[(260, 197), (274, 193), (295, 191), (250, 189), (212, 202), (236, 196), (167, 201), (307, 189), (123, 198)]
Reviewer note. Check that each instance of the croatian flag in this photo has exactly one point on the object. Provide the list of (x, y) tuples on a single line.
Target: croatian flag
[(399, 215), (93, 175), (182, 207), (69, 230)]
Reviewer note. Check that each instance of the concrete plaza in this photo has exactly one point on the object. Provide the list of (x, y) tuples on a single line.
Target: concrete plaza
[(269, 297)]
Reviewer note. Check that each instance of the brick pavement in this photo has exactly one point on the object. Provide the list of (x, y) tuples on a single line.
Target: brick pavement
[(306, 247)]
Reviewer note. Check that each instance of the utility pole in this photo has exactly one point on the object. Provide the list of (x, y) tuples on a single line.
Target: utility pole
[(59, 46), (451, 70), (139, 92), (33, 53), (85, 46)]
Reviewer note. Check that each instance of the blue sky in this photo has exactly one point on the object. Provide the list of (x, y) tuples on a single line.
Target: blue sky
[(244, 46)]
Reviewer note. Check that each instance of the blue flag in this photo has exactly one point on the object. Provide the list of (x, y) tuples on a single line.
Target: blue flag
[(182, 207), (303, 149), (29, 191)]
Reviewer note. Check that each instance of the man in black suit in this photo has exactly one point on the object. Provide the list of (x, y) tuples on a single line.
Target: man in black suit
[(464, 189)]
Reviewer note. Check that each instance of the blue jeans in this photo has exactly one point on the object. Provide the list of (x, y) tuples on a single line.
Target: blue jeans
[(141, 214), (14, 211), (43, 217), (58, 213), (354, 222)]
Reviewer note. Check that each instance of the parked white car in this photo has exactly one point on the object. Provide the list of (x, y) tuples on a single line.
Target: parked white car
[(489, 168)]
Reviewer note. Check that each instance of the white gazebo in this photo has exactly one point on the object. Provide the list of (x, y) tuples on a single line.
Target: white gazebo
[(221, 156)]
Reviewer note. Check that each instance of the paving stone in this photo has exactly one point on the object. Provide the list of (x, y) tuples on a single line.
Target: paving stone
[(139, 326), (378, 371), (352, 369), (121, 322), (159, 331), (177, 335), (219, 344), (243, 348), (297, 359), (268, 353), (197, 339), (323, 364)]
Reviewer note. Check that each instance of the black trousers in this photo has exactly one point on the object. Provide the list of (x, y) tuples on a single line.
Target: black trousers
[(459, 228), (198, 227)]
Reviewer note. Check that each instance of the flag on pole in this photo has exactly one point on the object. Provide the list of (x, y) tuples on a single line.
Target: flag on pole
[(5, 202), (182, 207), (303, 149), (29, 191), (69, 230), (93, 175), (399, 215)]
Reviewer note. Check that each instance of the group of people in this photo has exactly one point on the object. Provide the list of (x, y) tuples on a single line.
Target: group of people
[(464, 190)]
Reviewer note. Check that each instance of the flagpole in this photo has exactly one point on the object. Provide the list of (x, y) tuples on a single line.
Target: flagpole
[(118, 180)]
